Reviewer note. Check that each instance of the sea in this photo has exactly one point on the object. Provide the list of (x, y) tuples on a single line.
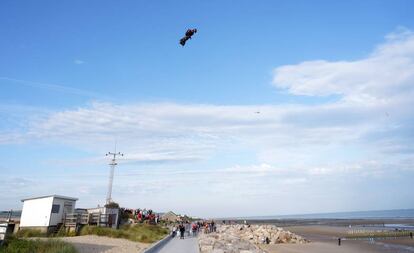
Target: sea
[(377, 214), (14, 214)]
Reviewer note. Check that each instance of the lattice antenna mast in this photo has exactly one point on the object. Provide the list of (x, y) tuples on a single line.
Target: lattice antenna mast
[(111, 173)]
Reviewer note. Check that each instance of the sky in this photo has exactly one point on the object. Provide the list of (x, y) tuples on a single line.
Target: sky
[(272, 108)]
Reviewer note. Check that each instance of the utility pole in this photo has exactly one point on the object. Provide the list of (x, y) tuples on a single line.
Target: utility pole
[(111, 174)]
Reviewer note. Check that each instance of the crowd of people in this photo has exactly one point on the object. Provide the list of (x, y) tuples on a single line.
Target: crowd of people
[(192, 229), (143, 215)]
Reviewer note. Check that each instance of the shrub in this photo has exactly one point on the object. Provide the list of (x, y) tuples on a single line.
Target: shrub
[(71, 233), (139, 233), (17, 245), (112, 205)]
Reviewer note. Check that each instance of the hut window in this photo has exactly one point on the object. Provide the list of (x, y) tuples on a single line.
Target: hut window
[(55, 208)]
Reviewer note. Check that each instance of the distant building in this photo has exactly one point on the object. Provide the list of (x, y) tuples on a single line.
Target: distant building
[(47, 212), (171, 216)]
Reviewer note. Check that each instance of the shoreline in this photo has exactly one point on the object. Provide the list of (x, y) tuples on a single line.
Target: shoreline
[(331, 222)]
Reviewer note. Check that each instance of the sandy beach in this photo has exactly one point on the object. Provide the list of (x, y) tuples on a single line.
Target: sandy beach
[(324, 240), (101, 244), (319, 247)]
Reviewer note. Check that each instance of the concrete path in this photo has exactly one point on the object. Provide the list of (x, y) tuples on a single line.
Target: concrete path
[(176, 245)]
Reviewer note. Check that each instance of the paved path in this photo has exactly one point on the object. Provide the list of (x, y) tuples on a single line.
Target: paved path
[(176, 245)]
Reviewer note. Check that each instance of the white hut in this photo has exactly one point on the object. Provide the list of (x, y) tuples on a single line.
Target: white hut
[(104, 216), (46, 212)]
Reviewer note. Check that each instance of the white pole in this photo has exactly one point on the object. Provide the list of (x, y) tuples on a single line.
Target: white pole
[(111, 175)]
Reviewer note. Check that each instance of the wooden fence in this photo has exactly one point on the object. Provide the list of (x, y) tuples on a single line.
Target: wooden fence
[(76, 219)]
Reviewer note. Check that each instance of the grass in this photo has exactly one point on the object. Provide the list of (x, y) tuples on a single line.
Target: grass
[(17, 245), (28, 232), (24, 233), (139, 233), (63, 232)]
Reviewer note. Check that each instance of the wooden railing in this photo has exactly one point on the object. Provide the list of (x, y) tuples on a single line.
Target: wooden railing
[(74, 219)]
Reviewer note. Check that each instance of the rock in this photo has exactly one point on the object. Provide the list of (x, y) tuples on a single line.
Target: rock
[(206, 248), (244, 238)]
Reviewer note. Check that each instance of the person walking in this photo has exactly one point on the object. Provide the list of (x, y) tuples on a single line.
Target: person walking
[(174, 231), (188, 229), (194, 229), (182, 231)]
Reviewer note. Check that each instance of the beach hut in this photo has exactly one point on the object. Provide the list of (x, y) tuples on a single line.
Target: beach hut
[(104, 216), (46, 213)]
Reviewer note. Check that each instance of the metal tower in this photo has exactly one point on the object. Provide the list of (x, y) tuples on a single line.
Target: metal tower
[(111, 174)]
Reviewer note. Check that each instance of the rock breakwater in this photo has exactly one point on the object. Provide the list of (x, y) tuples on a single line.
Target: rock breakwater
[(245, 238)]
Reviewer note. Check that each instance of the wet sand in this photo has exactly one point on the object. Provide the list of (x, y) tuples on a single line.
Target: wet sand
[(320, 247), (319, 232), (401, 241), (324, 239)]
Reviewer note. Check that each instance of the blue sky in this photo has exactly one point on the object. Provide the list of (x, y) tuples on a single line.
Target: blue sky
[(332, 81)]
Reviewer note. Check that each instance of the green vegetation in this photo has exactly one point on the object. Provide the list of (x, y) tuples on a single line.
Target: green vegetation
[(140, 233), (377, 234), (63, 232), (27, 233), (30, 233), (17, 245), (112, 205)]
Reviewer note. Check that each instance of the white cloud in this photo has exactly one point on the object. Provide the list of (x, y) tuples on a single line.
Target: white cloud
[(386, 73), (174, 132), (78, 62)]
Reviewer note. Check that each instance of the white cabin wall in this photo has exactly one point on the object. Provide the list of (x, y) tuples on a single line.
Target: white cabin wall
[(36, 212), (58, 217)]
